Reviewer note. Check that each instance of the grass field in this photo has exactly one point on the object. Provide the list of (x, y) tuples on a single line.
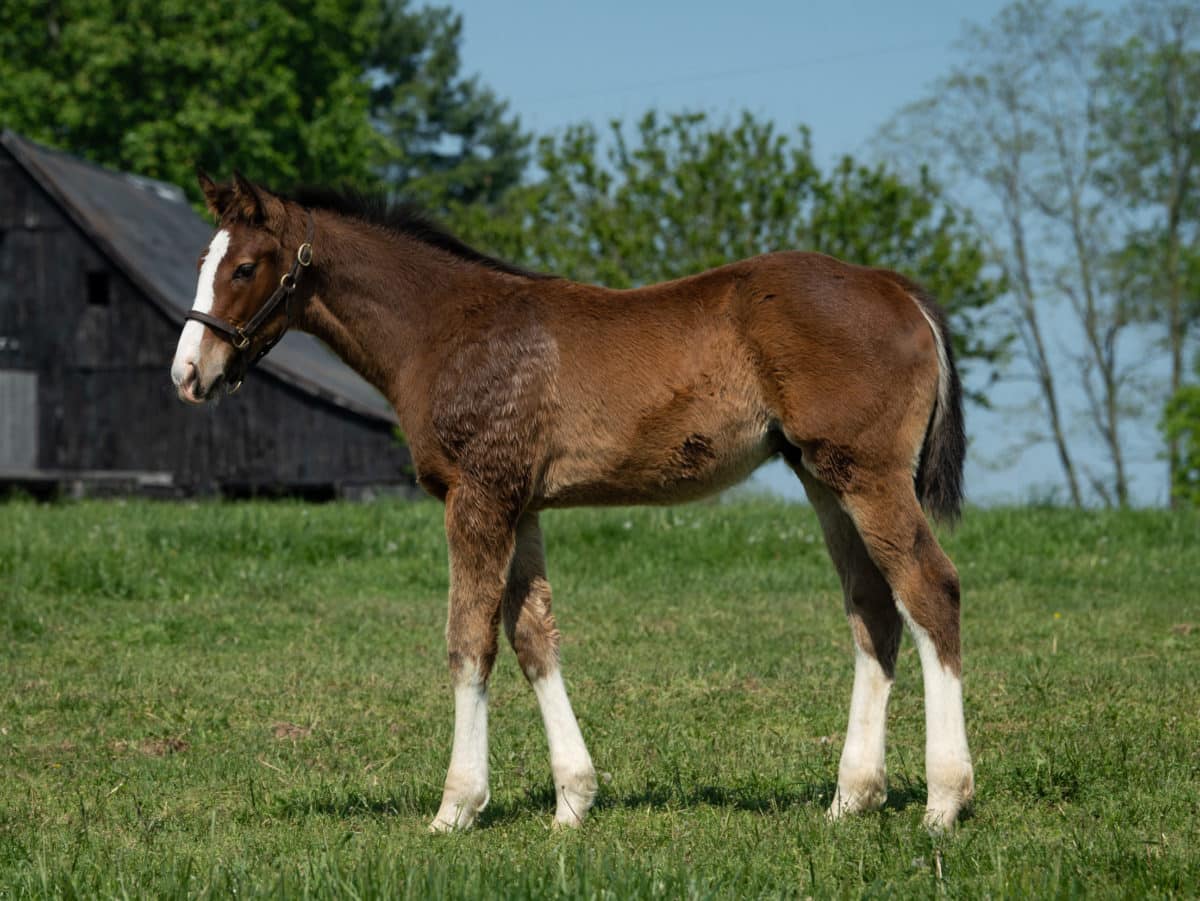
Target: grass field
[(209, 699)]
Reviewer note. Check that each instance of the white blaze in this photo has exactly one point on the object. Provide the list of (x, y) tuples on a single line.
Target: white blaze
[(188, 350)]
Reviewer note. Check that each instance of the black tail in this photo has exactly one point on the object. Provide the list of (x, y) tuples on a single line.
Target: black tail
[(939, 480)]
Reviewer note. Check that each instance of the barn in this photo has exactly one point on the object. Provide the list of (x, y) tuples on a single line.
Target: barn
[(97, 270)]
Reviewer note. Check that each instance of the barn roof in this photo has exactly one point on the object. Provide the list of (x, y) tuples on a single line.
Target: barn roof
[(149, 231)]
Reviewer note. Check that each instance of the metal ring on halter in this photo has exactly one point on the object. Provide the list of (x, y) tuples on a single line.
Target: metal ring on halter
[(241, 341), (304, 254), (288, 282)]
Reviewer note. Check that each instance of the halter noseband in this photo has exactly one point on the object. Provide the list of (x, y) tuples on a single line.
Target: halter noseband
[(240, 336)]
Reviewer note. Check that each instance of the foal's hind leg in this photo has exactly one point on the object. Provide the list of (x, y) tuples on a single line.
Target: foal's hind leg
[(530, 627), (925, 585), (876, 625)]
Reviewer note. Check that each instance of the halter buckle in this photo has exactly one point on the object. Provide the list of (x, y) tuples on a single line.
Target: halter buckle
[(304, 254), (241, 340)]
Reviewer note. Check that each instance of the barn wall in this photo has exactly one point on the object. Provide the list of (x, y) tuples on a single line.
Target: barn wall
[(33, 234), (105, 397)]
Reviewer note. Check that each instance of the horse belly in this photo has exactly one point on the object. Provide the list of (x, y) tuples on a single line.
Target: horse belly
[(694, 444)]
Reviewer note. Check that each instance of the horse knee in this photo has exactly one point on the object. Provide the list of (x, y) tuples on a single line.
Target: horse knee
[(471, 644)]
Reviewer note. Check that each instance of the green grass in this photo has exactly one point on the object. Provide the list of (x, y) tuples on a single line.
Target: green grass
[(208, 699)]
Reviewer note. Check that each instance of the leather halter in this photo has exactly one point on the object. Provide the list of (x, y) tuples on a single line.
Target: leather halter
[(240, 336)]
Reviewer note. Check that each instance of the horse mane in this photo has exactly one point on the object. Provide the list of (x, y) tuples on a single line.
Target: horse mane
[(404, 218)]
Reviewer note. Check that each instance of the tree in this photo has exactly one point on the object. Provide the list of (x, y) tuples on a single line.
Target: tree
[(1015, 128), (1150, 112), (308, 91), (682, 194), (155, 87), (1181, 425), (450, 139)]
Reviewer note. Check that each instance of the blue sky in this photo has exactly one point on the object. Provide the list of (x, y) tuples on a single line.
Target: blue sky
[(840, 68)]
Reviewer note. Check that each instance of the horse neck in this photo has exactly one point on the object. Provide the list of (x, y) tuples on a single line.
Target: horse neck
[(373, 292), (378, 298)]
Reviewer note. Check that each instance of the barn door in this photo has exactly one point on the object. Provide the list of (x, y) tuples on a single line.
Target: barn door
[(18, 420)]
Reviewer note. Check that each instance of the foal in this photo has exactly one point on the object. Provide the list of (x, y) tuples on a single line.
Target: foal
[(520, 392)]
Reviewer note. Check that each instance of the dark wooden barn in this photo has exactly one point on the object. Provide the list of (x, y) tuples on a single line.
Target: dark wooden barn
[(97, 269)]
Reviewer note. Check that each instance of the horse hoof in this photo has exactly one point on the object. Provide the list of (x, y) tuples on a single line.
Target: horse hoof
[(858, 793), (456, 816), (442, 825)]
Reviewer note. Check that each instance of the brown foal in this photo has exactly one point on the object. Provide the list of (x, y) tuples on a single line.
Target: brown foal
[(519, 392)]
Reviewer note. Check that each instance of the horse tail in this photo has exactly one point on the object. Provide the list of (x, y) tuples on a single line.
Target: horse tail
[(939, 478)]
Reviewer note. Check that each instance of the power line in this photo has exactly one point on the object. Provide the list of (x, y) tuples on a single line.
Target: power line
[(738, 73)]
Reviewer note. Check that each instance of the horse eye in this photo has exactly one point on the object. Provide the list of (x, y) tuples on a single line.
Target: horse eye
[(244, 272)]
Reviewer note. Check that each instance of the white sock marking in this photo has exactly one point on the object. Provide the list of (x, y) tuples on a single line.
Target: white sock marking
[(188, 349), (861, 774), (466, 792), (574, 775), (947, 758)]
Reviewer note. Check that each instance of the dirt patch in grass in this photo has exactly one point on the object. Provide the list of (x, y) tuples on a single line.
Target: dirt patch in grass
[(152, 747), (290, 731)]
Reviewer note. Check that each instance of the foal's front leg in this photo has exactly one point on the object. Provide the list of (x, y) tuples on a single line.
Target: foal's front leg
[(534, 636), (480, 539)]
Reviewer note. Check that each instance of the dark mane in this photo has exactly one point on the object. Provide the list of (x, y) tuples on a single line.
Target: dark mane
[(405, 219)]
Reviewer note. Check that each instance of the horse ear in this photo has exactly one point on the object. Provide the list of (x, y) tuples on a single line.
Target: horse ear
[(216, 197), (256, 204), (247, 203)]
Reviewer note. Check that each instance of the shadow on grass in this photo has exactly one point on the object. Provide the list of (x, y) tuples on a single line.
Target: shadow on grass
[(405, 802), (754, 798), (901, 797), (751, 797)]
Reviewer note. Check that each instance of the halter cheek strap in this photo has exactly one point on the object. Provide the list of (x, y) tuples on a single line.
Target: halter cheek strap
[(240, 336)]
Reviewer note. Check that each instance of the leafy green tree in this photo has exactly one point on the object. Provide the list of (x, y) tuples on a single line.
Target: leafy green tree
[(450, 139), (682, 194), (306, 91), (156, 86), (1181, 427), (683, 197)]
